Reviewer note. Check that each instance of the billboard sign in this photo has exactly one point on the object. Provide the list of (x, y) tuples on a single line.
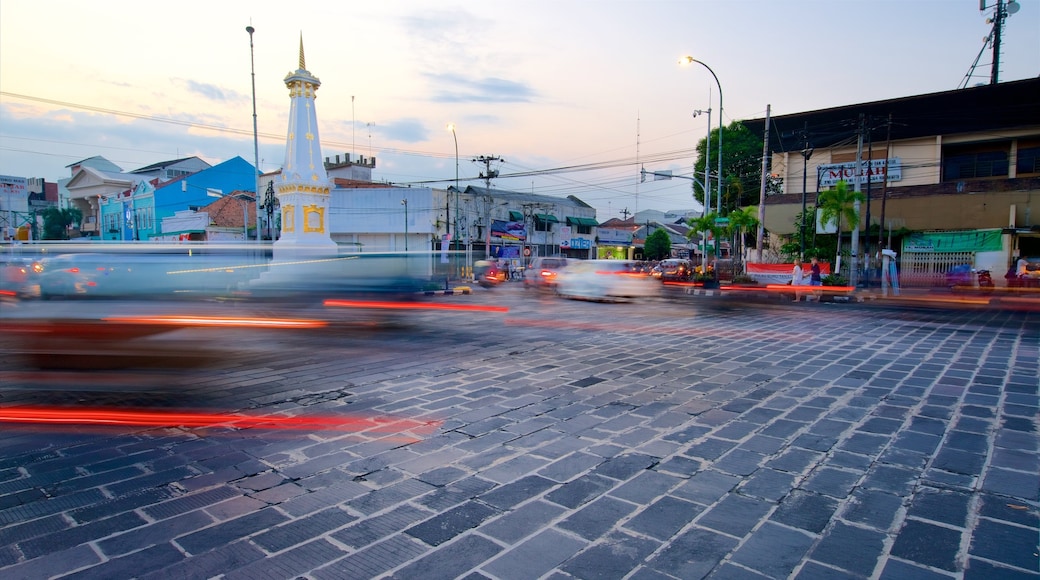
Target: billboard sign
[(875, 169)]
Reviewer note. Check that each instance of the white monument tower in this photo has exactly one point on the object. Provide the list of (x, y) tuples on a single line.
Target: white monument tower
[(303, 188)]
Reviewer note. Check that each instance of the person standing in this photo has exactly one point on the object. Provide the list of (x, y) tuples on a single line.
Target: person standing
[(814, 278), (797, 279)]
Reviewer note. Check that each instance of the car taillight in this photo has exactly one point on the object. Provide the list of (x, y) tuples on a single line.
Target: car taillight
[(73, 270), (548, 273)]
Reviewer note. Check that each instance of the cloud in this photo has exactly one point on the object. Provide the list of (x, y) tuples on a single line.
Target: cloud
[(450, 88), (404, 130), (209, 91)]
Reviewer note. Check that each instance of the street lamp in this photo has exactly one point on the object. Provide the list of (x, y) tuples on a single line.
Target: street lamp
[(404, 202), (689, 60), (242, 199), (256, 143), (451, 127)]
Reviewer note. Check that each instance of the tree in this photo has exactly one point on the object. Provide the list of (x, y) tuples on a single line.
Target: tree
[(837, 204), (741, 166), (56, 222), (658, 245), (705, 224), (741, 221)]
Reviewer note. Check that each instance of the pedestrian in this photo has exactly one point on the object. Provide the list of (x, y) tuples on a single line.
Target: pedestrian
[(797, 279), (814, 278)]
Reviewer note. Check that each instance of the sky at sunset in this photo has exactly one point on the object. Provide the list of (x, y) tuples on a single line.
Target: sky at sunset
[(574, 95)]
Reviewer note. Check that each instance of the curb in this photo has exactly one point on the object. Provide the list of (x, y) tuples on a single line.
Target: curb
[(457, 291)]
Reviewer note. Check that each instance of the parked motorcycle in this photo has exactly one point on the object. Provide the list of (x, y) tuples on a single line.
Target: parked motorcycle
[(965, 278)]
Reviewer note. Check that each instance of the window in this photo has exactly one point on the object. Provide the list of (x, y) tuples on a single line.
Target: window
[(976, 160), (543, 222), (1028, 160)]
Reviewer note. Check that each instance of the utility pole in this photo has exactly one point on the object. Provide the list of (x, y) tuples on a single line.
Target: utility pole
[(760, 236), (870, 175), (858, 188), (488, 174), (884, 184), (807, 152), (625, 213)]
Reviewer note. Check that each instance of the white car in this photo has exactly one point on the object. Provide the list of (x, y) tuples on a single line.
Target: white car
[(606, 280)]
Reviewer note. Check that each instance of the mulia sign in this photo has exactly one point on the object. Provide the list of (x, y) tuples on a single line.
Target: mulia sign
[(875, 169)]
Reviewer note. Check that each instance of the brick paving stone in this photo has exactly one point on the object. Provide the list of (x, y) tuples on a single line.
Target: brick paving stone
[(370, 530), (511, 494), (535, 556), (301, 530), (14, 533), (1005, 544), (735, 514), (707, 487), (55, 564), (896, 569), (646, 486), (873, 508), (230, 530), (71, 537), (694, 554), (773, 550), (664, 518), (133, 565), (850, 548), (928, 544), (610, 557), (768, 484), (154, 533), (579, 491), (213, 563), (450, 561), (941, 505), (522, 521), (446, 526), (374, 560), (597, 518), (805, 510), (836, 483), (289, 564), (51, 505)]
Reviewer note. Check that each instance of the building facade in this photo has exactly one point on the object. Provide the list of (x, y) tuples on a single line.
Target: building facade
[(949, 178)]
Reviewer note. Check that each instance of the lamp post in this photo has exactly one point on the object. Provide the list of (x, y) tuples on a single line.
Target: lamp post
[(451, 127), (404, 202), (688, 60), (256, 143)]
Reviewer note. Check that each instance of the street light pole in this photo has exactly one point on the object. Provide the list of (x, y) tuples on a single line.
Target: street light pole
[(690, 59), (451, 127), (404, 202), (256, 143)]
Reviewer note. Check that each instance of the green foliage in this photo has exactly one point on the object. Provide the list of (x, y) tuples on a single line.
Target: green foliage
[(834, 280), (837, 204), (56, 222), (658, 245), (741, 166), (743, 279)]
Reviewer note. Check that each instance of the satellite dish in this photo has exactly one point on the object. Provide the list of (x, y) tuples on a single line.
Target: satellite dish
[(1012, 7)]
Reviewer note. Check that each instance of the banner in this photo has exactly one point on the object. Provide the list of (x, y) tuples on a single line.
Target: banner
[(832, 173), (516, 231)]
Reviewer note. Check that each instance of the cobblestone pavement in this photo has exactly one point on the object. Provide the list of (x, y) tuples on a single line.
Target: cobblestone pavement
[(563, 440)]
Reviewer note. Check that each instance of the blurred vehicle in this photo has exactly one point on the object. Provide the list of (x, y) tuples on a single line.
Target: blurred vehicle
[(608, 280), (18, 276), (674, 270), (964, 277), (542, 272), (488, 274)]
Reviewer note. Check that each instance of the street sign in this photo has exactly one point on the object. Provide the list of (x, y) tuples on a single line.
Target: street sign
[(721, 221)]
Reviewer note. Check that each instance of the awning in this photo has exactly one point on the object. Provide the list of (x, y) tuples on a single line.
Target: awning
[(580, 221), (516, 216), (545, 217)]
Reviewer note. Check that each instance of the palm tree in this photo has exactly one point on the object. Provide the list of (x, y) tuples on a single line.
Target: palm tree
[(740, 222), (705, 223), (837, 204)]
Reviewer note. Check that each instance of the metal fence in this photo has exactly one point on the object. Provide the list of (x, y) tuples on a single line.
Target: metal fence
[(929, 269)]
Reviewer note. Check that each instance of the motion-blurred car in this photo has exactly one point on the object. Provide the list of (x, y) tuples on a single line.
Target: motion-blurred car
[(606, 280), (673, 270), (488, 274), (542, 272), (18, 276)]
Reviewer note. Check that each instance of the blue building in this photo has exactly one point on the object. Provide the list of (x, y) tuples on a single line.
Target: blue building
[(137, 213)]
